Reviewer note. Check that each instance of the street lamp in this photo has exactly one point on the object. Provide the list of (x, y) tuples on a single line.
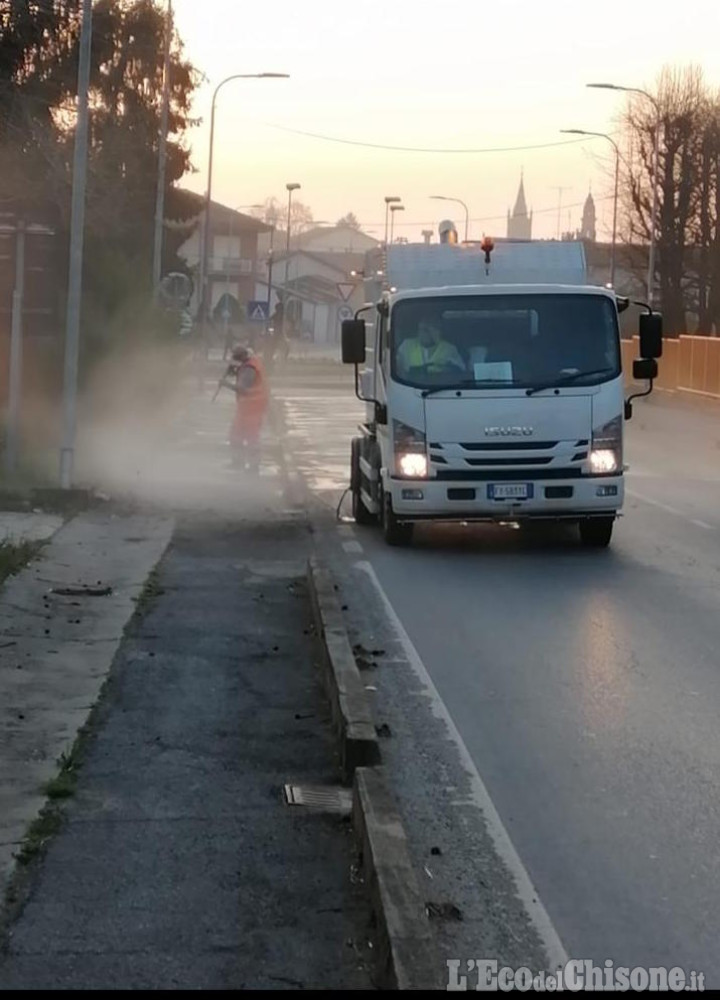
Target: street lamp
[(656, 153), (208, 195), (390, 199), (604, 135), (290, 189), (458, 201), (394, 209)]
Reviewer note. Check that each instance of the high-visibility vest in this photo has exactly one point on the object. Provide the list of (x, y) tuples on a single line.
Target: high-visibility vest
[(258, 394), (440, 354)]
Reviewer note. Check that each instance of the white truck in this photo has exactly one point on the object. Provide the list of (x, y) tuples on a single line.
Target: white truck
[(491, 400)]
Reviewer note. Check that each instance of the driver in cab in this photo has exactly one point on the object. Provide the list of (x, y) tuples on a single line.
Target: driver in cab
[(429, 352)]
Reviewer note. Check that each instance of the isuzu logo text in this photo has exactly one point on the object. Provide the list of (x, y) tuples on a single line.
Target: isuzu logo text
[(509, 431)]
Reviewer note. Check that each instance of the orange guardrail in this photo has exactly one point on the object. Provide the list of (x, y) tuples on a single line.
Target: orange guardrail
[(688, 364)]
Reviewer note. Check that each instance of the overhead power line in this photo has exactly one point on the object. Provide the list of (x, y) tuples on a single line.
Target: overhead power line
[(421, 149), (495, 218)]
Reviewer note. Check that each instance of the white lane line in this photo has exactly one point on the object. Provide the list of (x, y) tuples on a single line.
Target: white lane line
[(670, 510), (654, 503), (503, 844), (352, 546)]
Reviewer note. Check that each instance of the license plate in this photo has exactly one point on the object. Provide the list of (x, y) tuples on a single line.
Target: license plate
[(510, 491)]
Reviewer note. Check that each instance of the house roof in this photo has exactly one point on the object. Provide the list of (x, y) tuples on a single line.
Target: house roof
[(324, 230), (314, 288), (343, 262), (222, 216)]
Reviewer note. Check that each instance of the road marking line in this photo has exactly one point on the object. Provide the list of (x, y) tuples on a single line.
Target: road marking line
[(655, 503), (352, 546), (670, 510), (503, 844)]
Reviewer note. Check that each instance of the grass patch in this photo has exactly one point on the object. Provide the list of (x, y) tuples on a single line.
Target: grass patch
[(150, 592), (39, 832), (14, 556), (61, 787)]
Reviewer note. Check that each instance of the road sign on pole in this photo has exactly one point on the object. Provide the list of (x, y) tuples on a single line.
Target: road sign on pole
[(257, 311), (345, 289), (344, 312)]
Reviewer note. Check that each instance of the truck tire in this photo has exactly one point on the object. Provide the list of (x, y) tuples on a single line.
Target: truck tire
[(359, 511), (396, 533), (596, 532)]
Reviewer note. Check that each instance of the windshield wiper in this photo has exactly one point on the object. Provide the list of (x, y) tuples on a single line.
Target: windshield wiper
[(569, 379), (471, 383)]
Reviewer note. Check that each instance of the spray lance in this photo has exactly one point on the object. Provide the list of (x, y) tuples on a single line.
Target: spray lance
[(230, 371)]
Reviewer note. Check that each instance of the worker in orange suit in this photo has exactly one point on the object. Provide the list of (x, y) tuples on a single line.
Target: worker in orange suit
[(247, 379)]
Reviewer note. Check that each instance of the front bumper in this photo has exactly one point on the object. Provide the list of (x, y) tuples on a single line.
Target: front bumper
[(463, 500)]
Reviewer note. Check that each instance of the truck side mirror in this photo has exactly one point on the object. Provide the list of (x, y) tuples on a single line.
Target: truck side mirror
[(353, 341), (644, 369), (651, 335)]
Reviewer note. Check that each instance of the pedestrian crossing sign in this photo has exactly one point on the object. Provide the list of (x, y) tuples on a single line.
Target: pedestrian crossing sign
[(257, 311)]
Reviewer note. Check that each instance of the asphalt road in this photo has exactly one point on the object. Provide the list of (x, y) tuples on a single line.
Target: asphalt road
[(585, 685)]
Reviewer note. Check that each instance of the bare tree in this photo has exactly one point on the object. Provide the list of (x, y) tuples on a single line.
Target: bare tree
[(274, 212), (686, 232)]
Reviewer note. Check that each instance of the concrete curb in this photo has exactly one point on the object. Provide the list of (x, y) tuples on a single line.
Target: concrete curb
[(406, 952), (350, 704)]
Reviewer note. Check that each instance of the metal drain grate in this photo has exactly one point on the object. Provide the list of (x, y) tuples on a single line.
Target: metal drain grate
[(322, 798)]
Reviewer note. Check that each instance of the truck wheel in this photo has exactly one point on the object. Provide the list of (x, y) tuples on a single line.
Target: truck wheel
[(596, 532), (395, 532), (359, 511)]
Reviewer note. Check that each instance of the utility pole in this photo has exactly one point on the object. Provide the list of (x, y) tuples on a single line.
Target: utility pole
[(16, 354), (162, 157), (77, 227)]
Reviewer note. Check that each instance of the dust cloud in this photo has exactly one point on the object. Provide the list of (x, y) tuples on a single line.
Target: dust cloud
[(150, 432)]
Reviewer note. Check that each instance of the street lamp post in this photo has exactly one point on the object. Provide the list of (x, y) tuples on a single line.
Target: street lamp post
[(656, 154), (208, 196), (77, 229), (604, 135), (290, 189), (162, 157), (390, 199), (393, 210), (458, 201)]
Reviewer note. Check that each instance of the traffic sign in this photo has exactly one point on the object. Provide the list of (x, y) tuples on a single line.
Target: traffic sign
[(345, 289), (257, 311), (176, 289), (345, 312)]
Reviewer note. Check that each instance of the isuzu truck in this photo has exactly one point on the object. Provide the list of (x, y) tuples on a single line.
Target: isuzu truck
[(492, 401)]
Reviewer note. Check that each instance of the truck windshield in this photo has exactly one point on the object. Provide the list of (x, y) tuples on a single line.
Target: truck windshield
[(505, 341)]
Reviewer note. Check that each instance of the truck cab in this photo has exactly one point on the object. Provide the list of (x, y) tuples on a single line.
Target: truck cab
[(493, 402)]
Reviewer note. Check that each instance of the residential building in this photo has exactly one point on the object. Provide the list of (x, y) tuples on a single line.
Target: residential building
[(233, 258)]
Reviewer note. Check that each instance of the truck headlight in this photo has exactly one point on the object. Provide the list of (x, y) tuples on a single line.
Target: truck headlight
[(603, 461), (412, 465), (606, 450), (410, 451)]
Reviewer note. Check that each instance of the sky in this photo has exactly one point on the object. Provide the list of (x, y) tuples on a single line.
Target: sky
[(461, 74)]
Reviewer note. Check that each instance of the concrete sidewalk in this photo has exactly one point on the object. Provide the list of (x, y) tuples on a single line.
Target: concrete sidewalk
[(178, 864), (57, 641), (16, 526)]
